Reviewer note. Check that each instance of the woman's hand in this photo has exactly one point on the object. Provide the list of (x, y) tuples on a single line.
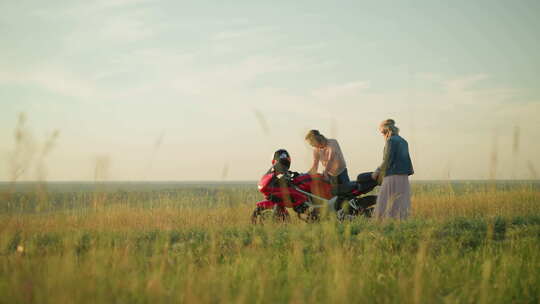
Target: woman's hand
[(326, 176), (375, 175)]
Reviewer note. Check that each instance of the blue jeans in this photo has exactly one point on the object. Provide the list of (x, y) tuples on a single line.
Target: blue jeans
[(340, 179)]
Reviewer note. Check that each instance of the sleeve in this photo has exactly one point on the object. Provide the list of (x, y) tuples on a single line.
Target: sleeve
[(386, 160)]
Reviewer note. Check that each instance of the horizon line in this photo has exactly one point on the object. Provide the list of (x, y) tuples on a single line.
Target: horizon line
[(236, 181)]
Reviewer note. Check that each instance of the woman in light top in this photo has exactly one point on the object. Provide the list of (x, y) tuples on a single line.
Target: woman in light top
[(328, 153), (394, 199)]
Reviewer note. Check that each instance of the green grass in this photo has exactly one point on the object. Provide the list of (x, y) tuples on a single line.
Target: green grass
[(194, 245)]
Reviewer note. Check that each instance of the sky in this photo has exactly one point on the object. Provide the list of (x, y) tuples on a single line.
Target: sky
[(208, 90)]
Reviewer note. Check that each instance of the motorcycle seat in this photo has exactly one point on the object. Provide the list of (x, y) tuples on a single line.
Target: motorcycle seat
[(359, 187), (344, 189)]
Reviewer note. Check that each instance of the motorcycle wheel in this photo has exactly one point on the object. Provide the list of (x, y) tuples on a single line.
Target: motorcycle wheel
[(360, 206), (276, 214), (309, 216)]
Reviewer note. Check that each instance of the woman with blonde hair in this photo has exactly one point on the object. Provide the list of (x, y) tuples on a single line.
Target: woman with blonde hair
[(328, 153), (394, 199)]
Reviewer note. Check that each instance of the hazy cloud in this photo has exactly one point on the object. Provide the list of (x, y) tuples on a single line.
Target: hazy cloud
[(341, 90), (139, 67)]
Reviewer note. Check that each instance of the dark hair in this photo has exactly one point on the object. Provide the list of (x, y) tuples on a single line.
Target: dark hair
[(314, 136)]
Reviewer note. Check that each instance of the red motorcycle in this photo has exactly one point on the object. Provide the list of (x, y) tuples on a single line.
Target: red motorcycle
[(306, 194)]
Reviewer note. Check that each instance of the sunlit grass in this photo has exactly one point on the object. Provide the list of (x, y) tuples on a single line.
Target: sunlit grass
[(466, 244)]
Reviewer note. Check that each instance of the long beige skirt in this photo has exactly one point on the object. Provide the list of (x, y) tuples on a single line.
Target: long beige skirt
[(394, 199)]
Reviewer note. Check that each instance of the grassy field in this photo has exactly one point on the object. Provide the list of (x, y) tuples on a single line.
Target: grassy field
[(465, 243)]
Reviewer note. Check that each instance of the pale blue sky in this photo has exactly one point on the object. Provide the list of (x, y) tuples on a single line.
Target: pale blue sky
[(115, 77)]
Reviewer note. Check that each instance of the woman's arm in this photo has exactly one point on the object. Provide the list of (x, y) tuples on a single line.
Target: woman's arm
[(379, 172), (315, 165)]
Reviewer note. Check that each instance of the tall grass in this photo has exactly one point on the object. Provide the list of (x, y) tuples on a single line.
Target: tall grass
[(464, 244)]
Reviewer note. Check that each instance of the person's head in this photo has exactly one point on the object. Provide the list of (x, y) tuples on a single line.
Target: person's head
[(388, 128), (281, 161), (316, 139)]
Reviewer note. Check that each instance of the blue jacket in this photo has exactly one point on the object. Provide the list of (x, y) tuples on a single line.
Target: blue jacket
[(396, 158)]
